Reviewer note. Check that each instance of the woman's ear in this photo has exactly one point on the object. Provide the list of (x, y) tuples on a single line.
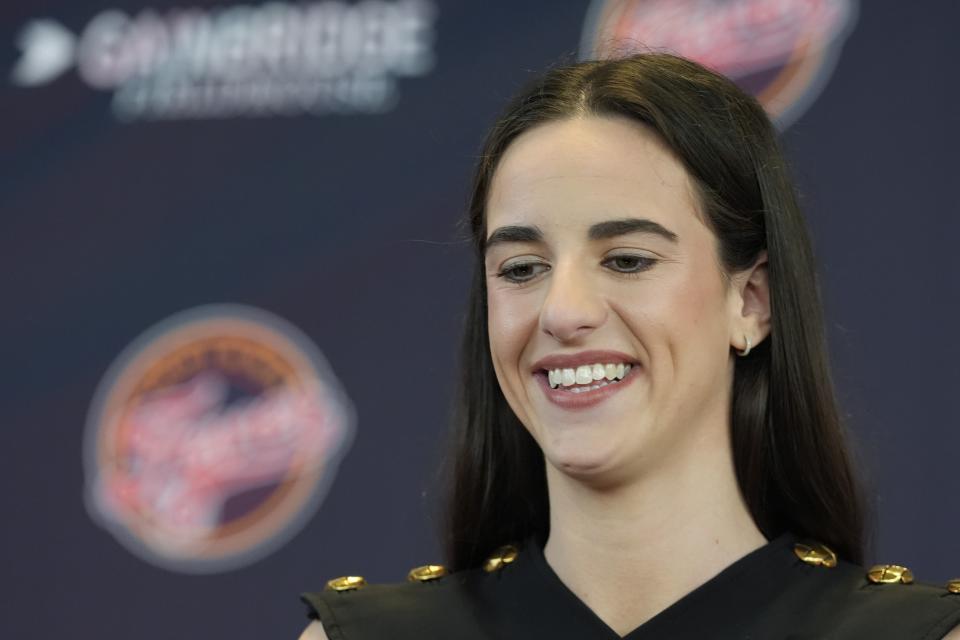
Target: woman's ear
[(751, 305)]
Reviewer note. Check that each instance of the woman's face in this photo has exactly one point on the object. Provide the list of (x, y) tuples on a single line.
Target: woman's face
[(610, 320)]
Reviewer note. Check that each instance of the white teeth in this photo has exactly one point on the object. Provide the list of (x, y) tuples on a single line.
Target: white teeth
[(584, 374), (590, 388), (587, 374)]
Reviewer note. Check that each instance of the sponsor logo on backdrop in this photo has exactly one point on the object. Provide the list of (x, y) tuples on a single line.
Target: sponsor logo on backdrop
[(213, 438), (274, 59), (781, 51)]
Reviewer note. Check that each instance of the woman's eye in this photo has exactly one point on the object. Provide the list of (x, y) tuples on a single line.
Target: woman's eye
[(522, 272), (629, 263)]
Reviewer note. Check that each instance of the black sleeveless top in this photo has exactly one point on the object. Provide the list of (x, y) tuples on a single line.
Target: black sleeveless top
[(768, 594)]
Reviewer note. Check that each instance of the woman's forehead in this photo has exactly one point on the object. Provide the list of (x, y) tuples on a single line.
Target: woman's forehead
[(574, 173)]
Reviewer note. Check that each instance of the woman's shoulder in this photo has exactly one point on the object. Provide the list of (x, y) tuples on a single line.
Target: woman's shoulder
[(430, 603), (844, 600), (349, 606)]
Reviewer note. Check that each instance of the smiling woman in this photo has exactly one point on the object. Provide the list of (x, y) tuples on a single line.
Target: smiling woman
[(648, 444), (658, 305)]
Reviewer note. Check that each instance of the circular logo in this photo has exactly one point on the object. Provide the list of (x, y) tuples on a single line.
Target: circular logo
[(781, 51), (213, 437)]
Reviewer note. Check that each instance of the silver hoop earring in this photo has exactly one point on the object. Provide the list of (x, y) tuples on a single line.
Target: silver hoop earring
[(747, 350)]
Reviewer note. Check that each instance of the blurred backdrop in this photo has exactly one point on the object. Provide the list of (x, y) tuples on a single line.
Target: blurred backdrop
[(233, 282)]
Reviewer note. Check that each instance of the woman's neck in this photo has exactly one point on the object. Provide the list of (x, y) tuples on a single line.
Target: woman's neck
[(630, 551)]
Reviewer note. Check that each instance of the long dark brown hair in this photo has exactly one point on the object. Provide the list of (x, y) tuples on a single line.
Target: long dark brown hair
[(791, 458)]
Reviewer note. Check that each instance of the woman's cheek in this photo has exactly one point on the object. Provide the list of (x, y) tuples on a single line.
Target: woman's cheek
[(512, 320)]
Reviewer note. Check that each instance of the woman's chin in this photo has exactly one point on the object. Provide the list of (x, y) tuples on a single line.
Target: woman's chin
[(584, 464)]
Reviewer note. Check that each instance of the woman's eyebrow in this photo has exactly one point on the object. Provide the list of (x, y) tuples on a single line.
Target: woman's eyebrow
[(623, 226), (502, 235), (598, 231)]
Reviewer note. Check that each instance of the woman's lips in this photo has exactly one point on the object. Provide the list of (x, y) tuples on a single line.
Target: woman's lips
[(563, 397)]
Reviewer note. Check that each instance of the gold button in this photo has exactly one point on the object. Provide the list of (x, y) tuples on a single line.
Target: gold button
[(500, 558), (819, 555), (954, 586), (889, 574), (426, 573), (346, 583)]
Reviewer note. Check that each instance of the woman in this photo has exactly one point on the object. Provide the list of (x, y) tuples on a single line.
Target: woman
[(647, 413)]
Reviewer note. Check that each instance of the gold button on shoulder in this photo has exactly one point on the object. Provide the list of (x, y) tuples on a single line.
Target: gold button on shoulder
[(346, 583), (954, 586), (889, 574), (819, 555), (500, 558), (426, 573)]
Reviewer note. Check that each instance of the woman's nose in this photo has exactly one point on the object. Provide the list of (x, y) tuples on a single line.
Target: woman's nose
[(572, 308)]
